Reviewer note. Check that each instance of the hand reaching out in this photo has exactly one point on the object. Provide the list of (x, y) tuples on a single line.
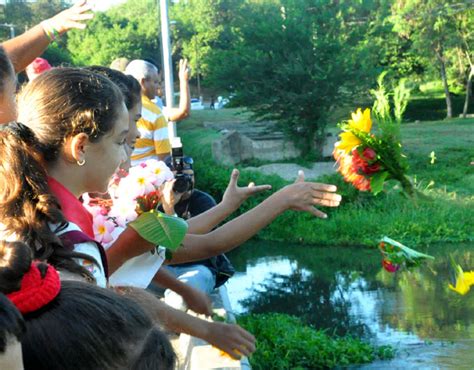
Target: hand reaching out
[(304, 196), (232, 339), (74, 17), (236, 195)]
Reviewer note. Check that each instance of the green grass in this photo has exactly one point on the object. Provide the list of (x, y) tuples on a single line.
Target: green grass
[(441, 216), (284, 342)]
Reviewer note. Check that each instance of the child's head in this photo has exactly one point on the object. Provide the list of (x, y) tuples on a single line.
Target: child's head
[(75, 124), (79, 121), (7, 89), (77, 324), (131, 91)]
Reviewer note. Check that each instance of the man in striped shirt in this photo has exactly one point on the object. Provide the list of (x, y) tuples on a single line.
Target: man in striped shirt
[(153, 127)]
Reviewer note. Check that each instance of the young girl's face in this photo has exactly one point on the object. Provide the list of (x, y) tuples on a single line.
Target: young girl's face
[(103, 158), (7, 101)]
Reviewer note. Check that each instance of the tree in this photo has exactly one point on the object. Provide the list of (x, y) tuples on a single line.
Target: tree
[(429, 24), (130, 30), (293, 61)]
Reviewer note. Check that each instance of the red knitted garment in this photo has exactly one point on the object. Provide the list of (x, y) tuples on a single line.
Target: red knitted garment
[(36, 292)]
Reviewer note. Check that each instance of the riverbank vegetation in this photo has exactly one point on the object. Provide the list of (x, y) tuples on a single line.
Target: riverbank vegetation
[(439, 154), (284, 342)]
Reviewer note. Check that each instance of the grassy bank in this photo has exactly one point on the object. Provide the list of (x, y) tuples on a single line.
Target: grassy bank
[(284, 342), (442, 216)]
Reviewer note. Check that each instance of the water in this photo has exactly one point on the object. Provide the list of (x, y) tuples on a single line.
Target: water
[(346, 291)]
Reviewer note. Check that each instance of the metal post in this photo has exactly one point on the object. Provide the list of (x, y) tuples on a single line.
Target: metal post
[(167, 66), (12, 32)]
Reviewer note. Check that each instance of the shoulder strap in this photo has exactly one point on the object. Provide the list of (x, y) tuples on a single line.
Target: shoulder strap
[(69, 238)]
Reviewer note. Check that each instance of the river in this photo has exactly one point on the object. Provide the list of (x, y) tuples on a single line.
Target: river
[(346, 291)]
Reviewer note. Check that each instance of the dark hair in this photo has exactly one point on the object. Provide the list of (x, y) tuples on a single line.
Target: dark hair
[(56, 105), (11, 322), (129, 86), (6, 69), (87, 327)]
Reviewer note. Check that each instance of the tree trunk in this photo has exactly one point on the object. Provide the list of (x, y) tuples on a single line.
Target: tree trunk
[(444, 78), (468, 92)]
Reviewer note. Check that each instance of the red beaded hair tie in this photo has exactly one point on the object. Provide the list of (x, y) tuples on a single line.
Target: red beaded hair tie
[(35, 291)]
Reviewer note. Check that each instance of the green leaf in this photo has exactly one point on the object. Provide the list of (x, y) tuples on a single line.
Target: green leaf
[(377, 181), (161, 229), (408, 253)]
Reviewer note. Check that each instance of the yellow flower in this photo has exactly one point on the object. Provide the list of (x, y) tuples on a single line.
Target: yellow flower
[(360, 122), (464, 280)]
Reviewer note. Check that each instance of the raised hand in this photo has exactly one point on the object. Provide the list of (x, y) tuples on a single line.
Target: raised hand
[(230, 338), (74, 17), (168, 197), (304, 196), (235, 195), (184, 70)]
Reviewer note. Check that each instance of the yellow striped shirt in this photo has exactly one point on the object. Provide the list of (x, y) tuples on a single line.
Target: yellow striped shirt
[(153, 128)]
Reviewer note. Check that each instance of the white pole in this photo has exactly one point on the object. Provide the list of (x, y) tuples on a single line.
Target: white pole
[(167, 66)]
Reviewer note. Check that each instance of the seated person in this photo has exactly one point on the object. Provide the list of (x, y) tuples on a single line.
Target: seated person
[(206, 274)]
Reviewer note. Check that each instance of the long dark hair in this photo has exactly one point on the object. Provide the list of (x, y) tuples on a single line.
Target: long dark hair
[(57, 105), (84, 326), (6, 69)]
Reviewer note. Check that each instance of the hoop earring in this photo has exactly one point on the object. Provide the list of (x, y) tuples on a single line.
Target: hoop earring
[(81, 163)]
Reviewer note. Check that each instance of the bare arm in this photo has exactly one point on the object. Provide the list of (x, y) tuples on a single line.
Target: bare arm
[(227, 337), (196, 300), (180, 113), (233, 197), (300, 196), (24, 48)]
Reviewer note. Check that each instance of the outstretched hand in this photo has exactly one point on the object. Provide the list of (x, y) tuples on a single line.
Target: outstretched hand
[(236, 195), (232, 339), (74, 17), (304, 196)]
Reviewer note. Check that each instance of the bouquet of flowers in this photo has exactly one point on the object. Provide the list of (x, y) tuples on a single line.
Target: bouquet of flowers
[(135, 197), (396, 255), (368, 160)]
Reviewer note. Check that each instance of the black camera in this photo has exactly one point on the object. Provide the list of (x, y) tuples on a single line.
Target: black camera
[(179, 163)]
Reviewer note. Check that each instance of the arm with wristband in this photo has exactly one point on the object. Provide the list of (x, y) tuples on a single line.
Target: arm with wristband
[(24, 48)]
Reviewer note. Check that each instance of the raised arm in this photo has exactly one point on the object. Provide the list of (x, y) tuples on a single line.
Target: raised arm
[(177, 114), (24, 48)]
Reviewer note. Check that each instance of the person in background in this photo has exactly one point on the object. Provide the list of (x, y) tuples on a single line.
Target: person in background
[(153, 126), (35, 68), (207, 274), (24, 48), (119, 64)]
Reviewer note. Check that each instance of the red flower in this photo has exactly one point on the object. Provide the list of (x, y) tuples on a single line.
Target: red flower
[(369, 154), (389, 266)]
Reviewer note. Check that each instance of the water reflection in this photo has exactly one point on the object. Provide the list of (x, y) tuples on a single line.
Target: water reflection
[(345, 291)]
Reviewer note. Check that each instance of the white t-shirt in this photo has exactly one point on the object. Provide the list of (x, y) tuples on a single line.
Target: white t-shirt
[(137, 271)]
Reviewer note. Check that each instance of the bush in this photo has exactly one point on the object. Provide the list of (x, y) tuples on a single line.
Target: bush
[(284, 342)]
